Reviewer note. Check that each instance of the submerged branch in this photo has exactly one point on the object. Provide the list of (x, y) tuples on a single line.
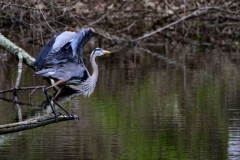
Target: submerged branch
[(33, 123), (19, 70)]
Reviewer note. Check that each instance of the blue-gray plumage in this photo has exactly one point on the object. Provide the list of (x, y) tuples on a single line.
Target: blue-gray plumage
[(38, 64), (61, 60)]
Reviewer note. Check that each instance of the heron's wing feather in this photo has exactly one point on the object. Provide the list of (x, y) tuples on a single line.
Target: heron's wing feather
[(64, 55), (63, 39), (53, 46), (74, 72), (38, 64), (66, 66), (81, 40), (67, 53), (46, 72), (60, 52)]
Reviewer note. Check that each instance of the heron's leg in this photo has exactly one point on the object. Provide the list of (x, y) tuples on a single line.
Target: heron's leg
[(54, 100), (57, 83), (69, 114), (53, 109), (45, 91), (59, 91)]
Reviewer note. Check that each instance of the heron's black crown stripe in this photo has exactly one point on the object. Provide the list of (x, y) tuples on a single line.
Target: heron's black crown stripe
[(97, 49)]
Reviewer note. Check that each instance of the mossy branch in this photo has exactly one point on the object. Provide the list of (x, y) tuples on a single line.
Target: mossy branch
[(14, 50)]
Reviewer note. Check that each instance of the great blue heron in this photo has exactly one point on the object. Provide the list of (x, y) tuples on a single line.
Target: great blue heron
[(61, 60)]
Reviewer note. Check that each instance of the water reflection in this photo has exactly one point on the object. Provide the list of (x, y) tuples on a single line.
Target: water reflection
[(145, 106), (234, 136)]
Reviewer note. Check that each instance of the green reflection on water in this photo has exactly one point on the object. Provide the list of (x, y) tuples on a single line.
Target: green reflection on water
[(147, 127)]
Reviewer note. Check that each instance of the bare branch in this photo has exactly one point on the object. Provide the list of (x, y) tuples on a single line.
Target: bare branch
[(27, 7), (3, 62), (127, 28), (97, 20), (12, 100), (47, 22), (195, 13), (34, 123), (174, 12), (15, 18), (22, 88)]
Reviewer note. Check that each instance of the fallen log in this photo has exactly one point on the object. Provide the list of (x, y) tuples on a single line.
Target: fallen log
[(34, 123)]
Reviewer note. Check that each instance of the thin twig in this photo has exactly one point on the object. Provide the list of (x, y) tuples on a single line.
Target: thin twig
[(45, 8), (65, 6), (3, 63), (97, 20), (74, 17), (15, 18), (127, 28), (6, 4), (16, 102), (174, 12), (47, 22), (16, 5), (22, 88)]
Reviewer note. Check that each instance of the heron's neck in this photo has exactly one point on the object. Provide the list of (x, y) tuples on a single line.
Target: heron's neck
[(94, 67)]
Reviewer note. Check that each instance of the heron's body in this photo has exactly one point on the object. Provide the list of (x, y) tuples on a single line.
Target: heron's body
[(61, 60), (73, 72)]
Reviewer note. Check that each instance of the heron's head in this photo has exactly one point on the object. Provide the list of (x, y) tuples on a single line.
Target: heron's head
[(100, 52)]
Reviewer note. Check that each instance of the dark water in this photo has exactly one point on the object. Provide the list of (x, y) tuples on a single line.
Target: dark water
[(180, 103)]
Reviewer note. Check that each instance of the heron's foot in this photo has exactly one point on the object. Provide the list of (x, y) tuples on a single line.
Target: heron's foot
[(76, 118), (56, 113)]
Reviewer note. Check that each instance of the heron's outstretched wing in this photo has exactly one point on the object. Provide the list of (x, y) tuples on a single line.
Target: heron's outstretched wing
[(81, 40), (38, 64), (71, 51), (60, 42), (63, 39), (53, 46)]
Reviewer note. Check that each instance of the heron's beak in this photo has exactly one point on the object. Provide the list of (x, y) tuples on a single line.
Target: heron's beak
[(106, 52)]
